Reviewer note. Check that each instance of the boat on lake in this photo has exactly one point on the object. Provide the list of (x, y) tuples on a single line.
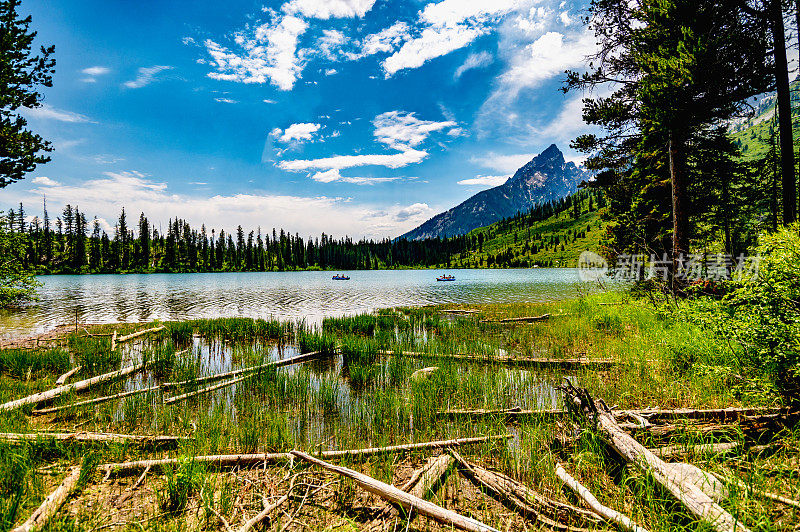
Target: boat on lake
[(340, 277), (446, 278)]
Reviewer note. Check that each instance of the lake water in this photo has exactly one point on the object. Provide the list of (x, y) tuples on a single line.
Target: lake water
[(286, 295)]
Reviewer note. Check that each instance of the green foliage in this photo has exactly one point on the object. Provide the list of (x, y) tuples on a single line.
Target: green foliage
[(17, 283), (766, 309), (15, 480), (21, 74), (94, 354), (180, 483), (19, 363)]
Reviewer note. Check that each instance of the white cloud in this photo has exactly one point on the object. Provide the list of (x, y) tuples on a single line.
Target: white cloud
[(96, 71), (45, 112), (545, 58), (402, 130), (340, 162), (296, 132), (331, 43), (507, 164), (269, 52), (565, 18), (225, 100), (331, 71), (105, 196), (447, 26), (385, 40), (333, 175), (145, 76), (476, 60), (269, 101), (325, 9), (45, 181), (485, 180)]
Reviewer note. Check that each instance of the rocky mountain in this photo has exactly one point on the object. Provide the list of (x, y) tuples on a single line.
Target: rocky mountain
[(547, 177)]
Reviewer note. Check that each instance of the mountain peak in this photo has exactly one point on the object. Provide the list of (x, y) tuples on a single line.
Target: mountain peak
[(551, 154)]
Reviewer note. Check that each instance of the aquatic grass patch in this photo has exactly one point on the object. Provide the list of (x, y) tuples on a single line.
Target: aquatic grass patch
[(243, 329), (33, 363), (311, 341), (361, 324), (94, 354), (181, 482)]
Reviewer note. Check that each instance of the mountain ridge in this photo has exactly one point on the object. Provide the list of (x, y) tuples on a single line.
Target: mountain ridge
[(547, 177)]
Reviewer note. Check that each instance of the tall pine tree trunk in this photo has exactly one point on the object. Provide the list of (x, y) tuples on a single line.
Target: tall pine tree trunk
[(784, 115), (680, 219)]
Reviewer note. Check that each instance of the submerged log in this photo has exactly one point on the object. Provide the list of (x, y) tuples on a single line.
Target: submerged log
[(131, 336), (65, 377), (405, 500), (515, 495), (686, 492), (97, 400), (217, 376), (76, 387), (91, 437), (244, 460), (539, 363), (603, 511), (248, 373), (52, 503)]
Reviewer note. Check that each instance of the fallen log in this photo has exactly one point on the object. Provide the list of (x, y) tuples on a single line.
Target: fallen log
[(690, 495), (97, 400), (217, 376), (762, 493), (248, 373), (244, 460), (65, 377), (127, 337), (79, 386), (523, 319), (52, 503), (459, 311), (671, 451), (401, 498), (538, 363), (114, 340), (422, 481), (515, 495), (603, 511), (91, 437)]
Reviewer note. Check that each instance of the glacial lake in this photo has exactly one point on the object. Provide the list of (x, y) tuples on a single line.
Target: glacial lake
[(308, 296)]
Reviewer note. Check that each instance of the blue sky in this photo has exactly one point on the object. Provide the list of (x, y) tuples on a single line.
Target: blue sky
[(360, 117)]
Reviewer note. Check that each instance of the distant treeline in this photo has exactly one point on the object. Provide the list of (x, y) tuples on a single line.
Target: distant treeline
[(72, 244)]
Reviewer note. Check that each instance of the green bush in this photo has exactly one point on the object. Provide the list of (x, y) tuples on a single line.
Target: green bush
[(765, 310)]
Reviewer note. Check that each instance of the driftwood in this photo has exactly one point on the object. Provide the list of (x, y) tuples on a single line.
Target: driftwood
[(248, 373), (101, 437), (268, 509), (539, 363), (52, 503), (551, 513), (524, 319), (422, 481), (76, 387), (405, 500), (603, 511), (236, 372), (127, 337), (690, 495), (114, 340), (244, 460), (65, 377), (97, 400), (671, 451), (459, 311), (721, 415)]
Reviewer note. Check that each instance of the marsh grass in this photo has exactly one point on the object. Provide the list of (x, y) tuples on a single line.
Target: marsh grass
[(360, 397), (33, 363)]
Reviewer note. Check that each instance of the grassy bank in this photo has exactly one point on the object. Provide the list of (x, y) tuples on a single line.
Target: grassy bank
[(360, 397)]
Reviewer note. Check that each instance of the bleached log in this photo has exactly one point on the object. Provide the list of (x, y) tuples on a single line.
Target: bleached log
[(248, 373), (603, 511), (671, 451), (90, 437), (245, 460), (689, 494), (540, 363), (531, 504), (52, 503), (65, 377), (97, 400), (127, 337), (401, 498), (79, 386)]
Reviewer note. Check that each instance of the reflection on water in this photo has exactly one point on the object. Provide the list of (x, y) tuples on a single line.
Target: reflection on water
[(286, 295)]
